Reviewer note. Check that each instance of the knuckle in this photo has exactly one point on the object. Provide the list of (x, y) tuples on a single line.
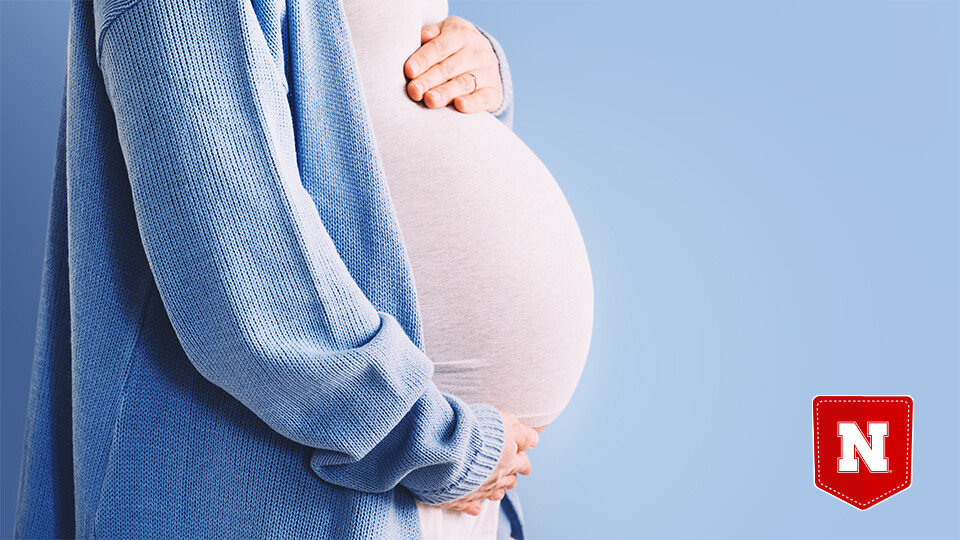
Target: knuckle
[(488, 102), (442, 44), (456, 22), (446, 68), (427, 80), (482, 49)]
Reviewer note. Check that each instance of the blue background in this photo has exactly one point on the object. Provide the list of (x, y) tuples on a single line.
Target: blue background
[(769, 196)]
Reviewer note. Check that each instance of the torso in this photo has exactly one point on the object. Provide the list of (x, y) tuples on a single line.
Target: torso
[(501, 271)]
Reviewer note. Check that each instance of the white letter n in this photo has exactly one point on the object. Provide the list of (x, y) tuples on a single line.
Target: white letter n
[(852, 441)]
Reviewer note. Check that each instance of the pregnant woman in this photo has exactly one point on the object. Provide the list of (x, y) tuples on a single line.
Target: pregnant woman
[(501, 271), (231, 341)]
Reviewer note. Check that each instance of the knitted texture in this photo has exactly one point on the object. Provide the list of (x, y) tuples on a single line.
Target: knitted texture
[(228, 342)]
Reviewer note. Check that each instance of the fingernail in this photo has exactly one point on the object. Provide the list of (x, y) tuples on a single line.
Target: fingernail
[(416, 68)]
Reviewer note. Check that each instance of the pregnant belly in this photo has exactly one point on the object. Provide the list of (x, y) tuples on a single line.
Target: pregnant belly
[(500, 267)]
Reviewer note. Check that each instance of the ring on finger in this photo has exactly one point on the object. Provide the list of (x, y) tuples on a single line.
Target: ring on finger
[(475, 83)]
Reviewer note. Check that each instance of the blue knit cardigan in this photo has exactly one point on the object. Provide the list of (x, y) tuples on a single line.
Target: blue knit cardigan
[(229, 342)]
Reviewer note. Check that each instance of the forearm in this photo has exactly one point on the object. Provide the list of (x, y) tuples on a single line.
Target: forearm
[(251, 280)]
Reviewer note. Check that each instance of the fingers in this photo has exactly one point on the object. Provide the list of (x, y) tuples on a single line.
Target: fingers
[(472, 508), (507, 482), (428, 32), (523, 435), (513, 461), (469, 507), (452, 78), (523, 465), (439, 71), (527, 437), (451, 39), (448, 79), (477, 101), (460, 85)]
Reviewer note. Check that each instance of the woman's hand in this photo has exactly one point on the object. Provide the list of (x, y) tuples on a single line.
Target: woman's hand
[(517, 438), (440, 70)]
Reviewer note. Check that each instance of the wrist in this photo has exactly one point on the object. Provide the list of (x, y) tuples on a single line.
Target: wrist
[(486, 445)]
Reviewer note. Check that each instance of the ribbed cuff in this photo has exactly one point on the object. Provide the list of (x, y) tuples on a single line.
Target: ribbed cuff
[(486, 445)]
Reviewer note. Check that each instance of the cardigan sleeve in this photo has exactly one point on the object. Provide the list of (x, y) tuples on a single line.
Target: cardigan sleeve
[(504, 112), (250, 278)]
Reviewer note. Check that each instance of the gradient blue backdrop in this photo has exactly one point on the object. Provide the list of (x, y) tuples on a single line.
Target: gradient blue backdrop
[(769, 196)]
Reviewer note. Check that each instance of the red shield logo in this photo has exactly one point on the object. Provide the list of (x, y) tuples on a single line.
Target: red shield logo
[(862, 447)]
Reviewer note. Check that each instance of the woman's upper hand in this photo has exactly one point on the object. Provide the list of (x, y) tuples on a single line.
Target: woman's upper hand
[(440, 69), (517, 438)]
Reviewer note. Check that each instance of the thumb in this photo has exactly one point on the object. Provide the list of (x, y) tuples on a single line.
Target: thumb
[(527, 437)]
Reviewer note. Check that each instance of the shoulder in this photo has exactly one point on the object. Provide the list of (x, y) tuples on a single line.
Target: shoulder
[(177, 21)]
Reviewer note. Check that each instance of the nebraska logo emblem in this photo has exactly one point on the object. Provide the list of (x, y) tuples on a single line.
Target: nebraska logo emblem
[(862, 447)]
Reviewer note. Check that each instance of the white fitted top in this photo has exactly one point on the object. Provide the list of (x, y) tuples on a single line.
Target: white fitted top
[(501, 271)]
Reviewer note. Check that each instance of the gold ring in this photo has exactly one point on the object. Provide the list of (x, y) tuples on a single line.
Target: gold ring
[(475, 84)]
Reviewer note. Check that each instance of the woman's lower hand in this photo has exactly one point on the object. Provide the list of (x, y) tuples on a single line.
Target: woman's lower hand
[(440, 70), (517, 438)]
